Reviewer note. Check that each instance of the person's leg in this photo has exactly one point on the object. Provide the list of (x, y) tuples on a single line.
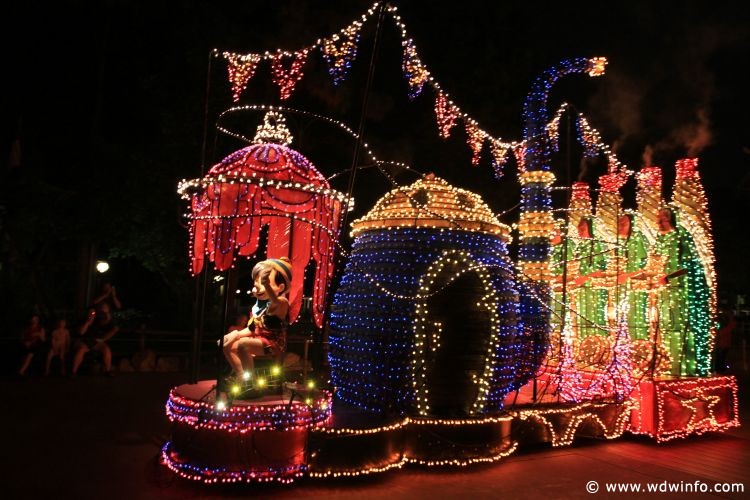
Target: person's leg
[(106, 356), (230, 352), (62, 363), (50, 355), (26, 362), (78, 358), (247, 348)]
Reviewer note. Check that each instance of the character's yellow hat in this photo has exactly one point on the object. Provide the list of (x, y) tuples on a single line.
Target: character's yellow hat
[(281, 265)]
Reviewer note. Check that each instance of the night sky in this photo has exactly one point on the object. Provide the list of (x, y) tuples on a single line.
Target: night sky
[(107, 102)]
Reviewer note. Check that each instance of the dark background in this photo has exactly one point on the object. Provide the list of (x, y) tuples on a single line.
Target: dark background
[(103, 111)]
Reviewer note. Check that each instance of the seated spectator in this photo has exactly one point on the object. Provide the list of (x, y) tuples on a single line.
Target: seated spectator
[(32, 342), (59, 346), (96, 331)]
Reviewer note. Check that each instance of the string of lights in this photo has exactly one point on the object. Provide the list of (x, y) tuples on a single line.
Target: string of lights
[(339, 50)]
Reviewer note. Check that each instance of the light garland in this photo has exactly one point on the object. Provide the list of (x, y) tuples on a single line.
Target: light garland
[(213, 475), (465, 462), (186, 188), (281, 109), (348, 431), (562, 423), (359, 472), (248, 418), (339, 50)]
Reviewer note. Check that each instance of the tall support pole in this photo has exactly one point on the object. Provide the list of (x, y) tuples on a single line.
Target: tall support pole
[(199, 306), (358, 140), (201, 283), (363, 114)]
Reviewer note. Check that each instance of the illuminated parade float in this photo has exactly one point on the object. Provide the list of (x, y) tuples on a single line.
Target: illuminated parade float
[(441, 349)]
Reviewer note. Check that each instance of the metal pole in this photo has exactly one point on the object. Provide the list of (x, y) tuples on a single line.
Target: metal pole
[(199, 309), (228, 275), (363, 114)]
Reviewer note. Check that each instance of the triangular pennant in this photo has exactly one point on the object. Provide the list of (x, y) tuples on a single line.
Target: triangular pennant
[(553, 127), (520, 153), (475, 141), (446, 113), (286, 75), (241, 69), (499, 152), (413, 69), (553, 132), (340, 50), (589, 136)]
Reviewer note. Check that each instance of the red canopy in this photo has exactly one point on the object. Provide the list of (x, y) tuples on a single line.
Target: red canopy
[(273, 185)]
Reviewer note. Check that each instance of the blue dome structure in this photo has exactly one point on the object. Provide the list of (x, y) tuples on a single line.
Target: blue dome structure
[(425, 321)]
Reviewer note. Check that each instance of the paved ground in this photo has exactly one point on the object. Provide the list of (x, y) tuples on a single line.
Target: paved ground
[(95, 437)]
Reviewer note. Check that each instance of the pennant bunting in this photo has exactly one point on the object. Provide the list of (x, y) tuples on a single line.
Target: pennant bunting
[(553, 132), (446, 113), (590, 137), (287, 74), (520, 154), (475, 141), (499, 152), (414, 71), (340, 50), (553, 127), (241, 69)]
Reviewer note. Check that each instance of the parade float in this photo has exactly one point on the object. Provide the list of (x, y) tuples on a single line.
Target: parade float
[(441, 349)]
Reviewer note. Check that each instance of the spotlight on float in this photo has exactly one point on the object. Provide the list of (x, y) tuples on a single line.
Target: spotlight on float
[(102, 266), (235, 389), (221, 404), (260, 382), (245, 375), (311, 384), (275, 370), (308, 401)]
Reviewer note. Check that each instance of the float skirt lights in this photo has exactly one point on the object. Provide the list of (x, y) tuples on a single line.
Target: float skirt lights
[(250, 441)]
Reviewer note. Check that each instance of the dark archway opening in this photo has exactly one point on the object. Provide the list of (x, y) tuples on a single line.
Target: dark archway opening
[(457, 363)]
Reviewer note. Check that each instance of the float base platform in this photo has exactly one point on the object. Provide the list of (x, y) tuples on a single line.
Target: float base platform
[(263, 439), (290, 435)]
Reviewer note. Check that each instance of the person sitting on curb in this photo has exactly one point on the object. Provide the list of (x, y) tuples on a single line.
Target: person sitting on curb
[(96, 331)]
